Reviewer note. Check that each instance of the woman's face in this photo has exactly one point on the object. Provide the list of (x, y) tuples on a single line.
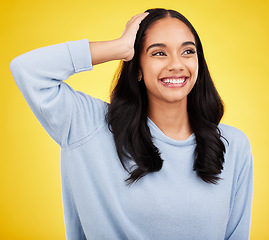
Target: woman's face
[(169, 62)]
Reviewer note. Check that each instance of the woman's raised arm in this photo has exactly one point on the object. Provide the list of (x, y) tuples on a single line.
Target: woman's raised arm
[(39, 74)]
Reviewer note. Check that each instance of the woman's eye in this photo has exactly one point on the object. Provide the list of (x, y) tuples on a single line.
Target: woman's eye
[(158, 54), (189, 51)]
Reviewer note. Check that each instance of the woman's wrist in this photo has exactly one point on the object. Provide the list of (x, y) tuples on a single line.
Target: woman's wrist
[(108, 51)]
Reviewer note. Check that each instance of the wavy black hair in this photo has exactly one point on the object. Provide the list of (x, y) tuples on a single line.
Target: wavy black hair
[(127, 113)]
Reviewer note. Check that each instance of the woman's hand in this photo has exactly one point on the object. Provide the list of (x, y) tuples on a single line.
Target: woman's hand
[(129, 34), (118, 49)]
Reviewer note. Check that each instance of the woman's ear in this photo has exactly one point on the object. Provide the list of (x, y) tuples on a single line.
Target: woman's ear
[(139, 76)]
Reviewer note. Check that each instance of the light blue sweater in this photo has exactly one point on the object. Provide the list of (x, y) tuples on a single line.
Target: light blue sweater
[(170, 204)]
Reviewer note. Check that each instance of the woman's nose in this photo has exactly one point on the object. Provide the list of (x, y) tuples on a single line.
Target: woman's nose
[(175, 64)]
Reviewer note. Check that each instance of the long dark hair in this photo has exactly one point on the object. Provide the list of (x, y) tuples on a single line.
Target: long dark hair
[(127, 113)]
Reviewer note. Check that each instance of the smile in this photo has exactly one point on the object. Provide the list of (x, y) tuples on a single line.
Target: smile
[(174, 81)]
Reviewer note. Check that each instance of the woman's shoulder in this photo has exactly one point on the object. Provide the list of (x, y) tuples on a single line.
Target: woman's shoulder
[(233, 135)]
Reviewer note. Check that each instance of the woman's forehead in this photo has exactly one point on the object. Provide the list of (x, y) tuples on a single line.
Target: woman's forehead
[(168, 29)]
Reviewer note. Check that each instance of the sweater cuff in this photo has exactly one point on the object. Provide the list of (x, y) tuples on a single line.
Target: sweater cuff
[(80, 55)]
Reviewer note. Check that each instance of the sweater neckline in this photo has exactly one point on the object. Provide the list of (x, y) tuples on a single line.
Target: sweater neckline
[(156, 132)]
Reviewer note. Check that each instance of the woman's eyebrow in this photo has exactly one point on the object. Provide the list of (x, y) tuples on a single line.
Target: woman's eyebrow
[(188, 43), (156, 45), (164, 45)]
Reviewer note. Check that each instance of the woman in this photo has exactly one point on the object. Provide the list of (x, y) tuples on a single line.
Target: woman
[(155, 163)]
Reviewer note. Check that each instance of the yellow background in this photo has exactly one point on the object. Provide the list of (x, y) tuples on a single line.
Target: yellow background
[(235, 38)]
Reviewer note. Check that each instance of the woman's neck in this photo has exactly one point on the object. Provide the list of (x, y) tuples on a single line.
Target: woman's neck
[(171, 118)]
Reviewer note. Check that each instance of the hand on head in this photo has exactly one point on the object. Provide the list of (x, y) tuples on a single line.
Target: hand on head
[(129, 34)]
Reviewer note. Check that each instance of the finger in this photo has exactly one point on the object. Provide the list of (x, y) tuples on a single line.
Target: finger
[(135, 21), (139, 17)]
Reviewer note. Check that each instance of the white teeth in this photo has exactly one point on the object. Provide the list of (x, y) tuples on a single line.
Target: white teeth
[(181, 80)]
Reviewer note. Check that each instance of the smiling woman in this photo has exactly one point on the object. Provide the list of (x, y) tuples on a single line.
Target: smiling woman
[(173, 61), (155, 163), (162, 43)]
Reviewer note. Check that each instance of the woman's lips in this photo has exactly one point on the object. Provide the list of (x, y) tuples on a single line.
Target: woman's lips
[(174, 81)]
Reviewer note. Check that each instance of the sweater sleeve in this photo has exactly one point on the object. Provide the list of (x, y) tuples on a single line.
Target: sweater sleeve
[(238, 227), (67, 115)]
